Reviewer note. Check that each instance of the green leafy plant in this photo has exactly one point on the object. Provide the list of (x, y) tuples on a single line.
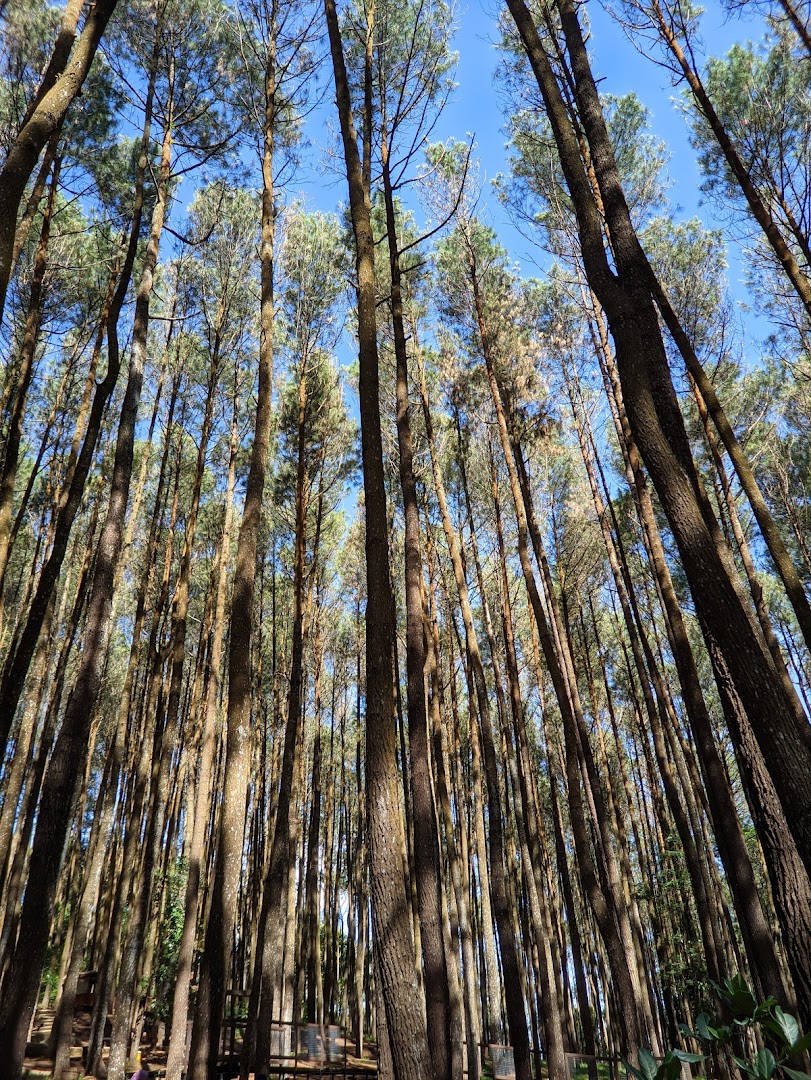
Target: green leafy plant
[(669, 1068), (776, 1027)]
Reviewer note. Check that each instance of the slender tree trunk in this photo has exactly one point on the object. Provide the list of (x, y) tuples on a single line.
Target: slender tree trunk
[(781, 558), (532, 857), (222, 917), (755, 588), (202, 810), (756, 203), (314, 1000), (472, 1022), (426, 852), (62, 83), (19, 991), (25, 372), (62, 1032), (394, 944), (17, 663), (612, 918), (654, 710), (757, 936), (127, 997), (519, 1034), (272, 945)]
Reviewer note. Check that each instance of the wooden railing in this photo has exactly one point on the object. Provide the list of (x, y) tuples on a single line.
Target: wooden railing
[(297, 1051)]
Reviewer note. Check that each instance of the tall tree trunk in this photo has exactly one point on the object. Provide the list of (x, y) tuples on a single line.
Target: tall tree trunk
[(655, 710), (127, 997), (426, 851), (62, 1032), (394, 943), (24, 373), (315, 1002), (757, 205), (611, 915), (516, 1015), (526, 816), (17, 662), (742, 663), (472, 1021), (271, 945), (757, 936), (202, 810), (225, 887), (19, 990)]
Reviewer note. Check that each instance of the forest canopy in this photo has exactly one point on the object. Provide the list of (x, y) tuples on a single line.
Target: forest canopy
[(405, 539)]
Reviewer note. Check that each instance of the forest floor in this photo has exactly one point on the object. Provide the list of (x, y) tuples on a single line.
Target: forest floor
[(38, 1066)]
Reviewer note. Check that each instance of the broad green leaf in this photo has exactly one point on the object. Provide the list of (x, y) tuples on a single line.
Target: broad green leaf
[(703, 1026), (647, 1063), (685, 1055), (737, 994), (634, 1072), (789, 1027), (765, 1064), (744, 1066), (670, 1069), (801, 1045), (765, 1009)]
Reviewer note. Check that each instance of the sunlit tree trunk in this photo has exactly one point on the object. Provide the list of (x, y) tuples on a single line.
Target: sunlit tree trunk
[(228, 858), (18, 995), (394, 947), (516, 1015), (740, 659), (426, 852)]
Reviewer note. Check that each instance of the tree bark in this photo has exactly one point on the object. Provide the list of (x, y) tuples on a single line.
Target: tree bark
[(426, 851), (394, 944), (732, 849), (17, 662), (225, 887), (19, 990), (202, 810), (742, 664), (757, 205), (516, 1015), (46, 114), (25, 372)]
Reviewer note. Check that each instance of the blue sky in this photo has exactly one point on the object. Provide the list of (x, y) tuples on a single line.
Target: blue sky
[(476, 107), (621, 67)]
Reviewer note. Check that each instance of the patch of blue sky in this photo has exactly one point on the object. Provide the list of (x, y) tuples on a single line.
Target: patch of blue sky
[(477, 108)]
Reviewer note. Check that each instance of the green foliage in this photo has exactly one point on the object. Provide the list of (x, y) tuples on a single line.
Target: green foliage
[(774, 1025), (535, 192), (690, 261), (190, 46), (761, 95), (669, 1068), (413, 72), (767, 1018), (473, 268), (169, 935), (27, 32)]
